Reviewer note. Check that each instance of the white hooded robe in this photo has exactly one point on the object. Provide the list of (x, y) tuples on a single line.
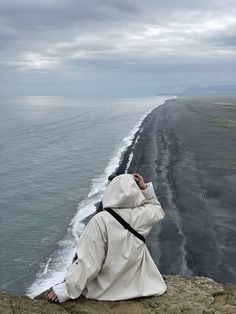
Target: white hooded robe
[(113, 264)]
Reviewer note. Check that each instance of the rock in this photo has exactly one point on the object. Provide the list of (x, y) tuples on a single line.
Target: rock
[(24, 305), (184, 295)]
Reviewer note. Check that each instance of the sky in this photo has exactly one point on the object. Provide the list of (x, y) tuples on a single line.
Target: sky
[(115, 47)]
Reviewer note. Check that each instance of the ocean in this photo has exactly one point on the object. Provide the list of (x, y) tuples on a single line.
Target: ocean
[(56, 155)]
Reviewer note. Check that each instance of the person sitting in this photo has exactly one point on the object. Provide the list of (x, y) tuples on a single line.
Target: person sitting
[(113, 262)]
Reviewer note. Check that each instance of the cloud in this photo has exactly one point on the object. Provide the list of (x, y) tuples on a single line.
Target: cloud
[(35, 61), (119, 40)]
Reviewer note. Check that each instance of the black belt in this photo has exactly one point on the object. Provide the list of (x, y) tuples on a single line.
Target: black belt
[(125, 224)]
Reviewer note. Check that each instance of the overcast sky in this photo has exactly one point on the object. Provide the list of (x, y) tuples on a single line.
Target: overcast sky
[(115, 47)]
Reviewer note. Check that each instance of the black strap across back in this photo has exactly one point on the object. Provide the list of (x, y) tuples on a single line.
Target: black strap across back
[(125, 224)]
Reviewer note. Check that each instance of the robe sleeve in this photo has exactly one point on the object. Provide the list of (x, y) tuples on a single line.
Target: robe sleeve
[(61, 292), (90, 249), (151, 198), (150, 212), (149, 191)]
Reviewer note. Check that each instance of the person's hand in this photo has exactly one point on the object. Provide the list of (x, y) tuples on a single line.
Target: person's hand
[(52, 296), (139, 180)]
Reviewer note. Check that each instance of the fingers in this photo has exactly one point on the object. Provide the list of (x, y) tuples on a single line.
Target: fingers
[(140, 181), (52, 296), (137, 177)]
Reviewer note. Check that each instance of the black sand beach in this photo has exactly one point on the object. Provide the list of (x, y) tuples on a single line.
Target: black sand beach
[(187, 148)]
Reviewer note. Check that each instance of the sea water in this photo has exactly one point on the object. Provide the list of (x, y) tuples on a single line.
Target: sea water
[(56, 155)]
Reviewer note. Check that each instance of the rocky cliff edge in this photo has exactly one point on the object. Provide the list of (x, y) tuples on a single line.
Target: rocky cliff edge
[(196, 295)]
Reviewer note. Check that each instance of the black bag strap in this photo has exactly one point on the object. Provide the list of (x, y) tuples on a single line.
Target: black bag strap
[(125, 224)]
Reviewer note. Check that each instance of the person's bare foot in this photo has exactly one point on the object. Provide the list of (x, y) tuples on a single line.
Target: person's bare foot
[(53, 297)]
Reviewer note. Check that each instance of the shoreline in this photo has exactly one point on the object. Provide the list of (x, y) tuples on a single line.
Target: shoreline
[(179, 149), (125, 161)]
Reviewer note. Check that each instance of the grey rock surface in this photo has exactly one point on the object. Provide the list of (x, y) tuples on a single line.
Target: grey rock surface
[(185, 295)]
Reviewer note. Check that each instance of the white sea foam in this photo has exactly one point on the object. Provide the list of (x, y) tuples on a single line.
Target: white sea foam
[(131, 155), (46, 266), (55, 268)]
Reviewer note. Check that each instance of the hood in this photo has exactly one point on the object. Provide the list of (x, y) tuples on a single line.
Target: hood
[(123, 192)]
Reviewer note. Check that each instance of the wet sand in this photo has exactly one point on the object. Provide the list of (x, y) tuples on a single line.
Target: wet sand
[(187, 148)]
